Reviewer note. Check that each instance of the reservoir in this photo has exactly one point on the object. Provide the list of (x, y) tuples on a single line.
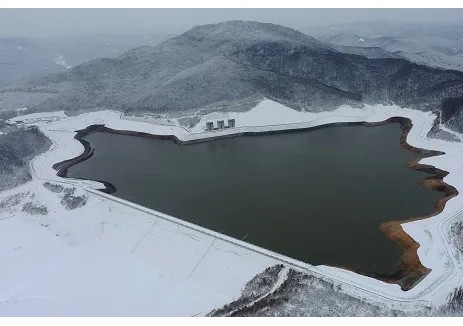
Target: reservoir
[(318, 196)]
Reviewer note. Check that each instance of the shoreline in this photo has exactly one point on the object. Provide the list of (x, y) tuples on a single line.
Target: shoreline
[(412, 270)]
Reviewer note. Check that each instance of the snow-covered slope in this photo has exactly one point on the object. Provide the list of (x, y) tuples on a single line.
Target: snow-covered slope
[(433, 45), (235, 62), (27, 57)]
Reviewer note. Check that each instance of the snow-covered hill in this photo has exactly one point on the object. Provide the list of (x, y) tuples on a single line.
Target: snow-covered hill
[(28, 57), (436, 46), (232, 63)]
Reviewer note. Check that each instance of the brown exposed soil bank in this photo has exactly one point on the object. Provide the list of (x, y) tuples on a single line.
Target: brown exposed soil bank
[(412, 270)]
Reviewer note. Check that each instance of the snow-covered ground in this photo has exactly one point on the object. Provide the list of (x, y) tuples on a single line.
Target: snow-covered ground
[(113, 257), (59, 60)]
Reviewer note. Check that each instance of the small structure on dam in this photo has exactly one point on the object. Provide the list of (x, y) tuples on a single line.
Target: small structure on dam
[(220, 124), (209, 125), (231, 123)]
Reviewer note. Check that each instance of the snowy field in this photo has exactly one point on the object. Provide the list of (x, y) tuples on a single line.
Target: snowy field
[(107, 256)]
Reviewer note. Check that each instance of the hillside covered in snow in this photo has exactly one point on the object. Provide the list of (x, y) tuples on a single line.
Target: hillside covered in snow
[(236, 62)]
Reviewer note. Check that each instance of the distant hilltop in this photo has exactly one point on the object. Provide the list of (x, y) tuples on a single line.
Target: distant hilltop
[(229, 64)]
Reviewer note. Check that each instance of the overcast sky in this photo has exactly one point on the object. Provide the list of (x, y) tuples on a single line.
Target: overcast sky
[(64, 22)]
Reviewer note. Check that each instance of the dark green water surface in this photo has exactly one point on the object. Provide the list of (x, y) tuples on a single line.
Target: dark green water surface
[(316, 196)]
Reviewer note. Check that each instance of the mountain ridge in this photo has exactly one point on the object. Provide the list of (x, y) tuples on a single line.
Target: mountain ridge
[(235, 61)]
